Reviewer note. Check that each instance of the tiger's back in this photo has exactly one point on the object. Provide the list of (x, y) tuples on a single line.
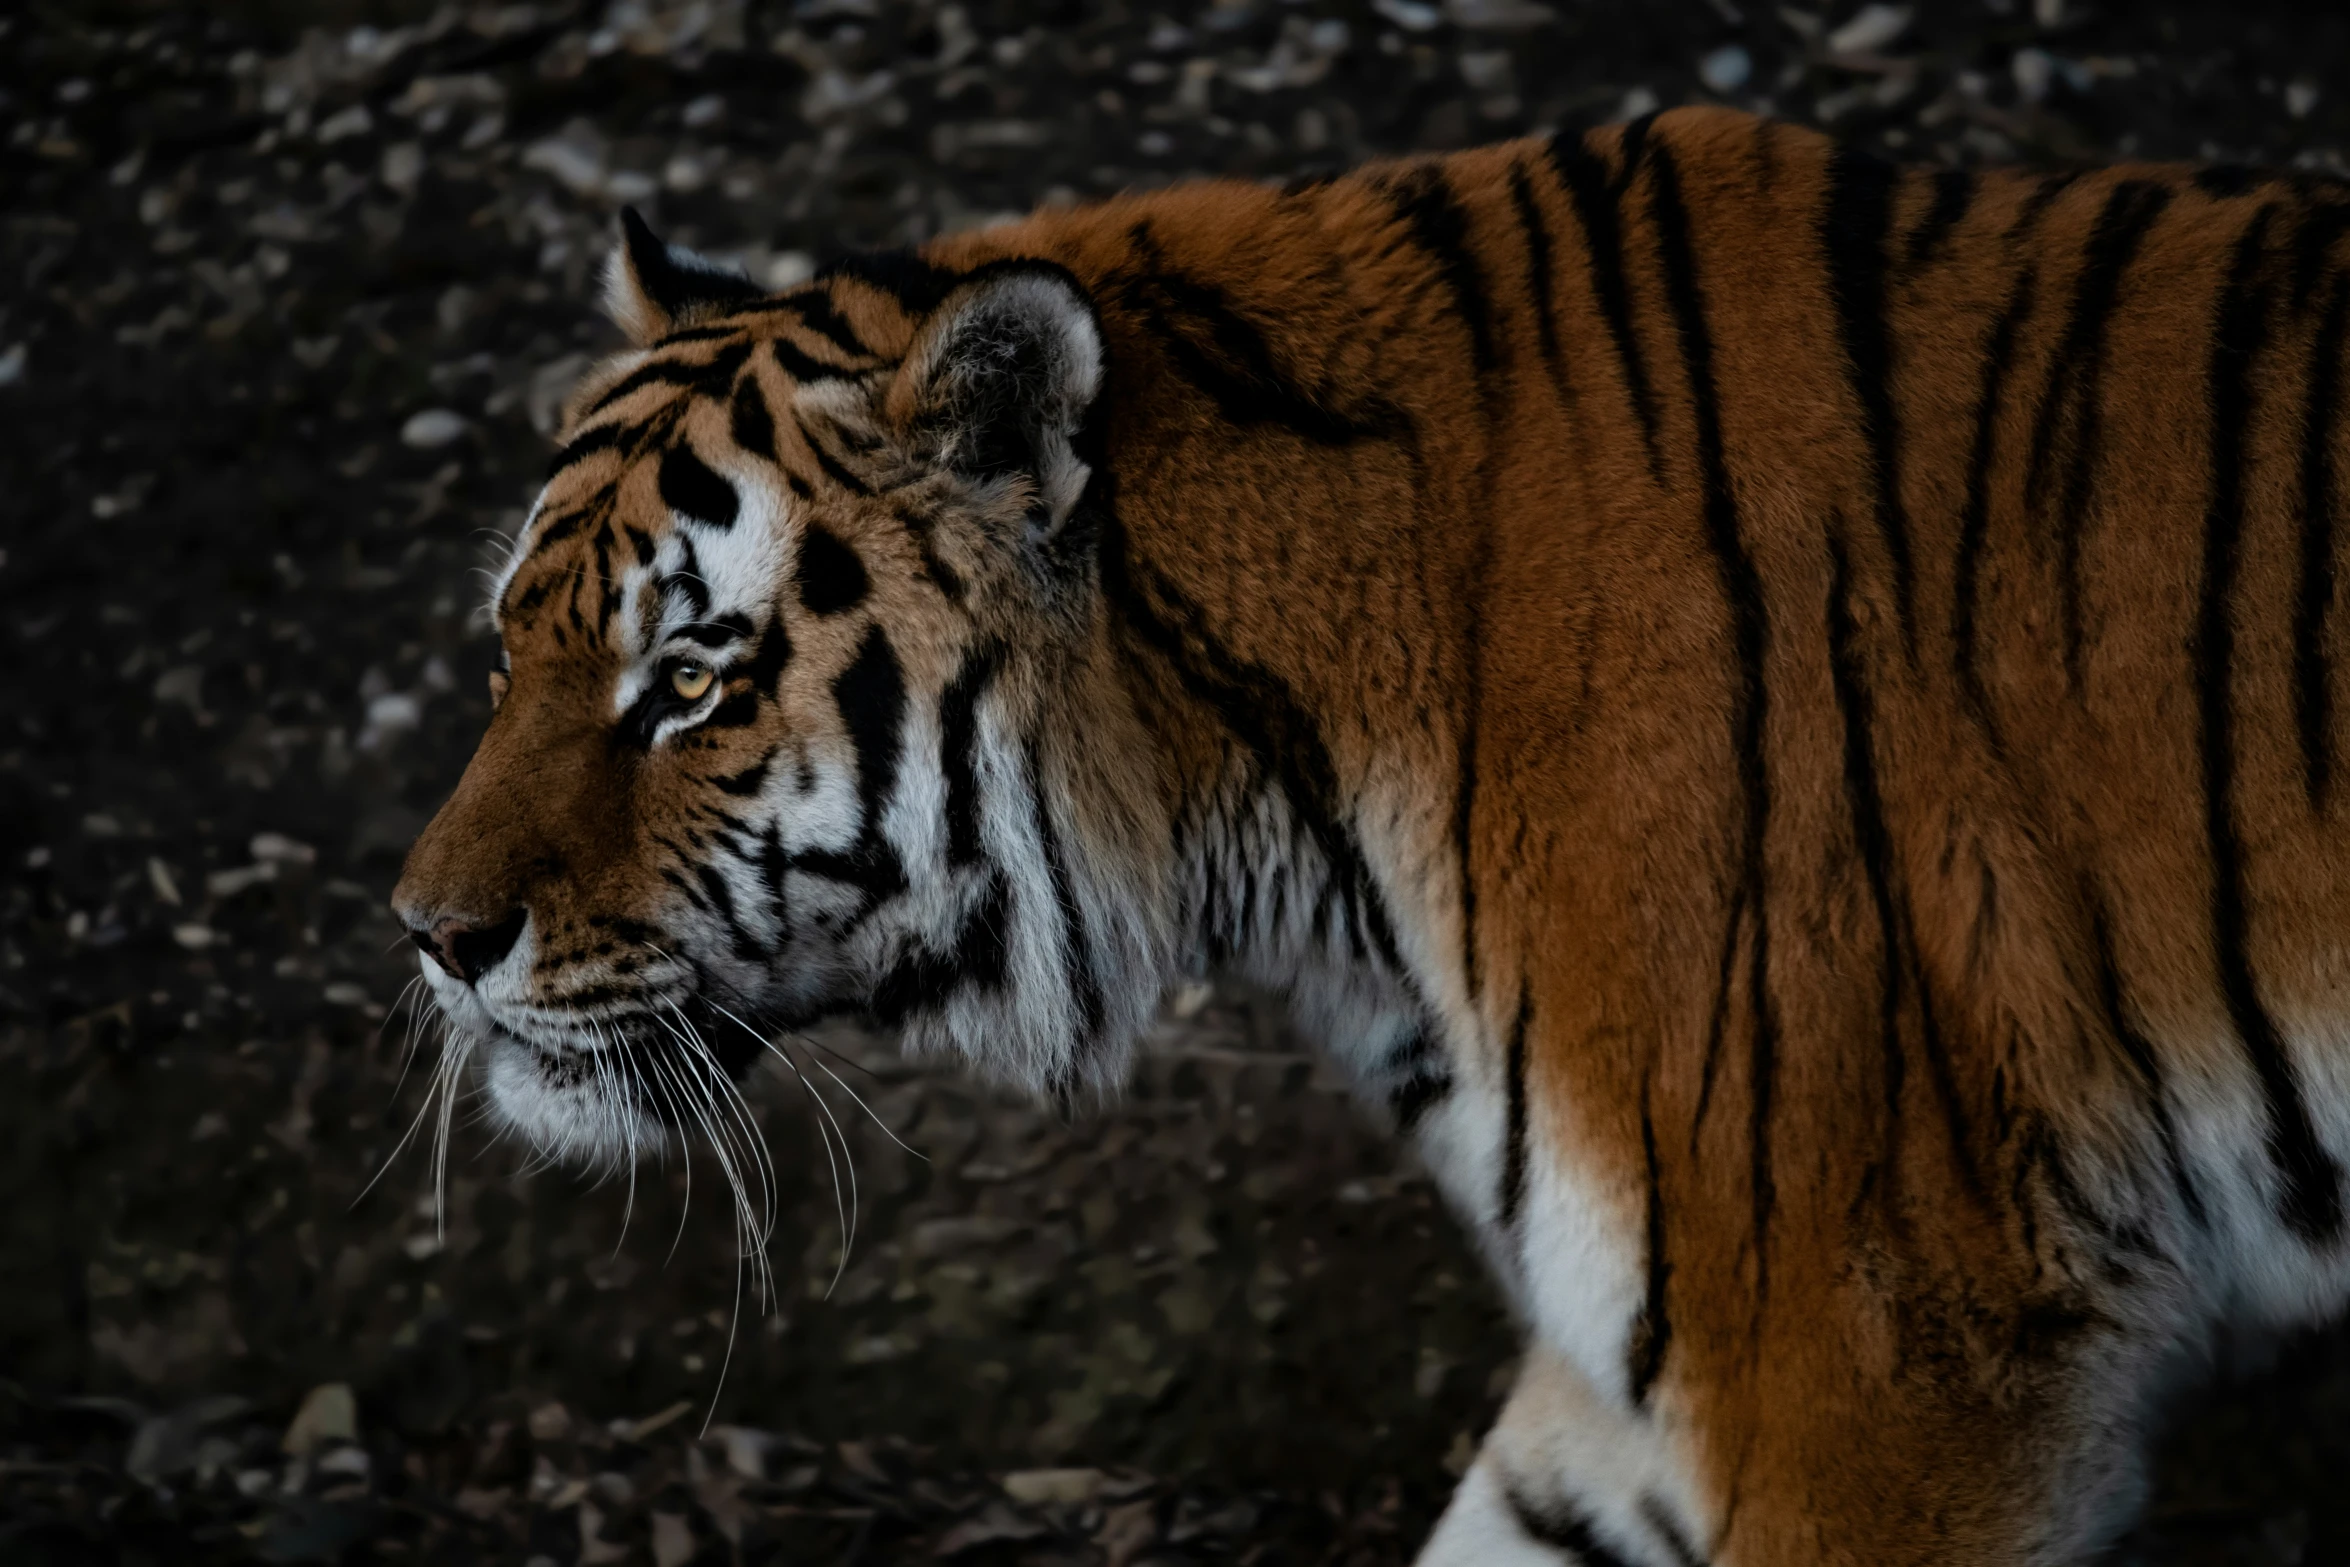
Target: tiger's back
[(1781, 713)]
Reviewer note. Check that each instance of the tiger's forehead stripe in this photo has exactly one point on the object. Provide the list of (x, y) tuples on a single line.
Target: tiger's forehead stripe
[(754, 363)]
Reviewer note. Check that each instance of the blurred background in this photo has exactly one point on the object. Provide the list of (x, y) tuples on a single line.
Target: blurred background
[(291, 294)]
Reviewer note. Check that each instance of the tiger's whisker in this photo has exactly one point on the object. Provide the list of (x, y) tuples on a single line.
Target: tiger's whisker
[(405, 1137), (870, 1114), (752, 1233), (719, 1076), (685, 1156)]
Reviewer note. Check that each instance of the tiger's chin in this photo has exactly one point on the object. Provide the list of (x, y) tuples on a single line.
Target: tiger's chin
[(611, 1093), (587, 1108)]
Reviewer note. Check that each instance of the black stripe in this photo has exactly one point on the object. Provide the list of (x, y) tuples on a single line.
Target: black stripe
[(958, 732), (603, 438), (1955, 1119), (575, 577), (1652, 1511), (1742, 590), (690, 486), (1718, 1015), (2311, 1202), (694, 334), (640, 543), (595, 509), (1262, 712), (1975, 513), (1440, 227), (1974, 520), (2227, 179), (2076, 386), (2042, 198), (717, 631), (923, 529), (2313, 696), (746, 946), (607, 580), (687, 581), (764, 668), (1225, 355), (1871, 842), (749, 780), (556, 529), (2313, 242), (979, 958), (2041, 1153), (1652, 1330), (1585, 179), (1513, 1145), (2140, 1053), (828, 463), (749, 422), (830, 576), (1077, 961), (1538, 274), (677, 280), (870, 865), (1421, 1081), (921, 286), (1954, 194), (710, 379), (816, 313), (983, 946), (1465, 767), (772, 864), (871, 694), (1632, 146), (1873, 846), (734, 710), (658, 373), (1852, 230), (792, 361), (1562, 1527)]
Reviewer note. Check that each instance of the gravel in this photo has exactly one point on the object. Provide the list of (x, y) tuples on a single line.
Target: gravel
[(293, 296)]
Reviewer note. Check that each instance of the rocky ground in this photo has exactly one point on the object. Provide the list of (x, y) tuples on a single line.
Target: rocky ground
[(292, 292)]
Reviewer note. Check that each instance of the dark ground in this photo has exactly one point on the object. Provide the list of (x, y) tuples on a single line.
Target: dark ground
[(291, 292)]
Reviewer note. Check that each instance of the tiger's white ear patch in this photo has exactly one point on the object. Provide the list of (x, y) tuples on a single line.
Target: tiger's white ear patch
[(1001, 379), (651, 289)]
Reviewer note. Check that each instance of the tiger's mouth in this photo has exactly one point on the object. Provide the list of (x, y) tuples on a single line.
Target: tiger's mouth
[(605, 1090), (594, 1049)]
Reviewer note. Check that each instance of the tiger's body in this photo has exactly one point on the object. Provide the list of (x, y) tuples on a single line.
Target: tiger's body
[(1780, 714)]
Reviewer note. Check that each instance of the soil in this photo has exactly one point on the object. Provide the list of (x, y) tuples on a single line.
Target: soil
[(292, 293)]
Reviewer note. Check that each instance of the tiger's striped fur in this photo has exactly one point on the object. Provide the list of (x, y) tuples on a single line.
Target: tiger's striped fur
[(1781, 714)]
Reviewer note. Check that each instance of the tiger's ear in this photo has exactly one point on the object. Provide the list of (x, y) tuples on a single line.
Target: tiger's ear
[(1000, 380), (650, 288)]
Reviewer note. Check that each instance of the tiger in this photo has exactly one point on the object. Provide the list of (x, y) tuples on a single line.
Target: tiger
[(1775, 713)]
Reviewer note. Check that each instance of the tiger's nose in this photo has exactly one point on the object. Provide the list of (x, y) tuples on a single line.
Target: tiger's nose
[(464, 950)]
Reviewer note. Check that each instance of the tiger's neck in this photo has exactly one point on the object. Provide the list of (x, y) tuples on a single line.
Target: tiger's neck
[(1283, 410)]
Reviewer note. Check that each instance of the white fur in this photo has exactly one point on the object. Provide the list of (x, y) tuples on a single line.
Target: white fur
[(1561, 1446)]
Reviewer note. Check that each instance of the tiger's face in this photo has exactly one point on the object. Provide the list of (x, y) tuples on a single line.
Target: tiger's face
[(784, 640)]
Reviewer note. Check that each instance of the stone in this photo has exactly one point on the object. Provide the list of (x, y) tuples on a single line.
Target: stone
[(329, 1414)]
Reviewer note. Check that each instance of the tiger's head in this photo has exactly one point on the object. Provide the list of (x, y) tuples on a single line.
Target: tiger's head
[(805, 707)]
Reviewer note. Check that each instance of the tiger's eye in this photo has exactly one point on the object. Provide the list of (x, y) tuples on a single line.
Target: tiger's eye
[(690, 681)]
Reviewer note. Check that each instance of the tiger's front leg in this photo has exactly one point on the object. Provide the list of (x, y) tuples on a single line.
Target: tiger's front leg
[(1564, 1476), (1775, 1466)]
